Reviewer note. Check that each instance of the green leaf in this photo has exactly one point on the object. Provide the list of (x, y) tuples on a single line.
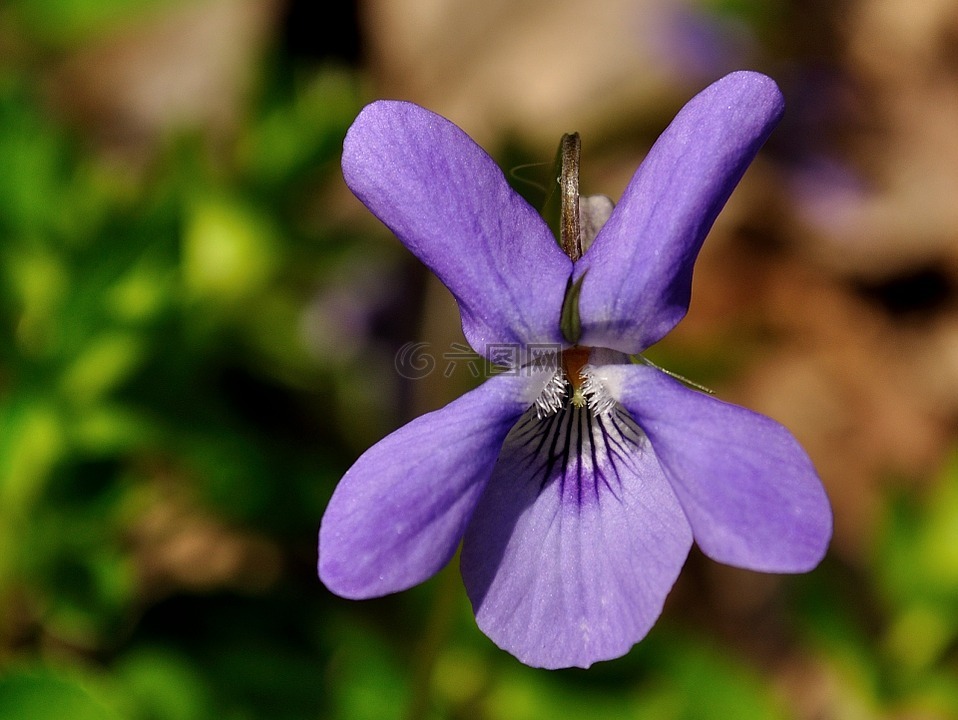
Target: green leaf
[(229, 250), (569, 321), (68, 22), (42, 695)]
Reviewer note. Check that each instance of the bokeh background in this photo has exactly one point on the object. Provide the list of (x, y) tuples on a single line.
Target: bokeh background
[(199, 325)]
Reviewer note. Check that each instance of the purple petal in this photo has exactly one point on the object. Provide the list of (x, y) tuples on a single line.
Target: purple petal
[(575, 543), (640, 266), (749, 491), (398, 514), (450, 204)]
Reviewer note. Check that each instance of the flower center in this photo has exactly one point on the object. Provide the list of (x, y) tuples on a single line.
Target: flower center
[(574, 384), (573, 363)]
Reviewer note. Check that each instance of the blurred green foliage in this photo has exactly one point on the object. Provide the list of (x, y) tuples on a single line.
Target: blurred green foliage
[(68, 22), (190, 358), (152, 364)]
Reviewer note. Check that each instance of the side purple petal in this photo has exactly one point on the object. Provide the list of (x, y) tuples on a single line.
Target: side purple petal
[(640, 266), (450, 204), (575, 543), (749, 490), (400, 511)]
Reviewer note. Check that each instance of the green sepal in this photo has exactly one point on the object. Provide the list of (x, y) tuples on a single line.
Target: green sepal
[(569, 321)]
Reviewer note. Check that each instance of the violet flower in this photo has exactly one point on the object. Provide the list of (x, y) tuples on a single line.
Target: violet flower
[(576, 491)]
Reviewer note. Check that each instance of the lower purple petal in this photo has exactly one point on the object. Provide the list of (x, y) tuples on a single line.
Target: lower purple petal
[(576, 541), (750, 492), (400, 511)]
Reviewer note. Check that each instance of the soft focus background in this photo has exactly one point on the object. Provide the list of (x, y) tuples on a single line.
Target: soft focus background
[(198, 326)]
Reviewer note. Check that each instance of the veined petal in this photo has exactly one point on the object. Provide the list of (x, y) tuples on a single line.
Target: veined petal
[(640, 266), (400, 511), (749, 491), (576, 541), (450, 204)]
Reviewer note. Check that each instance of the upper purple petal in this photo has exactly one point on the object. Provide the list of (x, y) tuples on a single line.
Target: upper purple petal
[(749, 491), (450, 204), (400, 511), (640, 266), (576, 541)]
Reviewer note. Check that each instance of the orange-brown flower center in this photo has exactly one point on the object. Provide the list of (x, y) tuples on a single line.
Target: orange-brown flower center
[(573, 360)]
